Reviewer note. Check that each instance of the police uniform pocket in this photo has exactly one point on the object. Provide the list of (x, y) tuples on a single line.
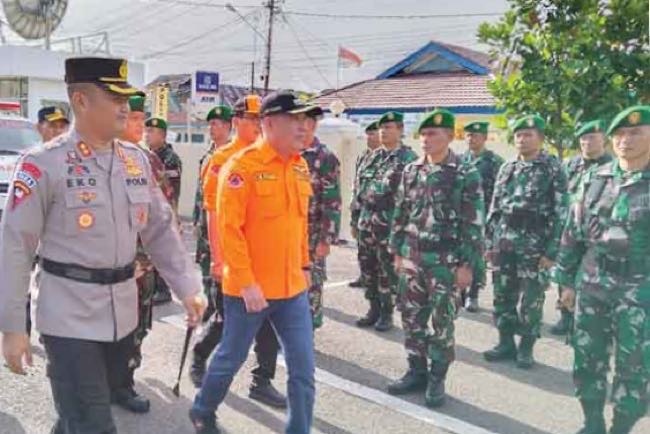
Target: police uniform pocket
[(269, 198), (82, 209), (139, 201)]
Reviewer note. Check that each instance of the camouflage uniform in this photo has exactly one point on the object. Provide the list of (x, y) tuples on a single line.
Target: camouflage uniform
[(488, 164), (173, 169), (577, 167), (359, 192), (437, 225), (524, 224), (147, 282), (384, 174), (200, 221), (324, 217), (605, 255)]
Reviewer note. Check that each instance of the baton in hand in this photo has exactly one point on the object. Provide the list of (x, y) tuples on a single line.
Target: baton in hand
[(188, 337)]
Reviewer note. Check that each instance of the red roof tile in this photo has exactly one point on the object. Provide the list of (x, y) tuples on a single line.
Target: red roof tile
[(415, 91)]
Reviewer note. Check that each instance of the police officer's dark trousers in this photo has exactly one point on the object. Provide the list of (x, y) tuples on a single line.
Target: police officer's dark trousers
[(80, 381)]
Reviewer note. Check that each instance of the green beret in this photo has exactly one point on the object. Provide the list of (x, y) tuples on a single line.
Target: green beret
[(391, 117), (530, 121), (223, 112), (439, 118), (595, 126), (136, 103), (477, 127), (372, 126), (631, 117), (156, 123)]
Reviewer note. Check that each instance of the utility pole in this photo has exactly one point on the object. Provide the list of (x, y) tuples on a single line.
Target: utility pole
[(269, 43), (252, 77)]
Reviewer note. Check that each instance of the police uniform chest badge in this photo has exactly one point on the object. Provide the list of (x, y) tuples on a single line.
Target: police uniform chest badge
[(437, 119), (87, 197), (530, 122), (84, 150), (132, 168), (124, 70), (634, 118)]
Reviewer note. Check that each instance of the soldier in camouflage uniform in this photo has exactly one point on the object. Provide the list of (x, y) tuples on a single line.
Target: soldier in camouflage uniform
[(488, 164), (125, 395), (591, 136), (523, 233), (383, 174), (372, 143), (156, 136), (605, 256), (220, 121), (324, 210), (437, 240)]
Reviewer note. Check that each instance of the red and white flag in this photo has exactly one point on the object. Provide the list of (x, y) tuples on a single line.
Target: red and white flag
[(349, 58)]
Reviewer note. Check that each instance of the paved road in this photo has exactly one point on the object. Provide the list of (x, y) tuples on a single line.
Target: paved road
[(354, 367)]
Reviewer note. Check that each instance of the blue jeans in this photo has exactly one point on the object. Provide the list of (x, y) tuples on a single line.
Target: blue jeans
[(292, 323)]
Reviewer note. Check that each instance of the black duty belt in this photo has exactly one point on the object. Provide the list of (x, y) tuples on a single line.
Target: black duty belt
[(101, 276)]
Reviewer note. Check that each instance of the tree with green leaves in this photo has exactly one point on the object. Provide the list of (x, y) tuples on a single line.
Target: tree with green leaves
[(570, 61)]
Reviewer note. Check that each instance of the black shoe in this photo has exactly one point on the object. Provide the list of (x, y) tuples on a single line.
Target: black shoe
[(356, 283), (525, 358), (415, 379), (264, 392), (384, 323), (471, 305), (162, 297), (371, 317), (564, 324), (435, 394), (504, 350), (129, 400), (204, 425), (197, 370)]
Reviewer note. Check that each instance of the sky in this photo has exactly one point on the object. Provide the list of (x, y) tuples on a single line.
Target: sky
[(181, 36)]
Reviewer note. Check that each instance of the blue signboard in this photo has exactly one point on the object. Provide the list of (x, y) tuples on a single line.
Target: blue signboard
[(207, 82)]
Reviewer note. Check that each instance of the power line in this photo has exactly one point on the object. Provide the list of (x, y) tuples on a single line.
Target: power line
[(391, 17), (206, 4)]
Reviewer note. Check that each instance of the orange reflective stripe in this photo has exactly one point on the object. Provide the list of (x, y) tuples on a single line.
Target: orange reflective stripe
[(263, 203)]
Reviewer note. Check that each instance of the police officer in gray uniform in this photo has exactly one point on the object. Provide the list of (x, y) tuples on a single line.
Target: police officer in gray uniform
[(82, 199)]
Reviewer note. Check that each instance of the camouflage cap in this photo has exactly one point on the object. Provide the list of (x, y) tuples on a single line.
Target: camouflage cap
[(391, 117), (631, 117), (529, 121), (156, 123), (223, 112), (372, 126), (477, 127), (595, 126), (136, 103), (439, 118)]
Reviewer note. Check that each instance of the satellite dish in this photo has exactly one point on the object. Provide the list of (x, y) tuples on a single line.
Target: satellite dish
[(34, 19)]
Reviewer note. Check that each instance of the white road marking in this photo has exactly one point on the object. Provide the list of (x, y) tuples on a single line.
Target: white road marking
[(409, 409)]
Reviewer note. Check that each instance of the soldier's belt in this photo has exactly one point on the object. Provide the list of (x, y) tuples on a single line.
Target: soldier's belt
[(79, 273), (622, 268), (528, 220)]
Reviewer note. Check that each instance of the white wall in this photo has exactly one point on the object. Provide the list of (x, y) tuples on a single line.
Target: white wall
[(43, 89)]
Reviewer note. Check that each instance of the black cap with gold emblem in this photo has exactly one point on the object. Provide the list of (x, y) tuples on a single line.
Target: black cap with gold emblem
[(109, 74)]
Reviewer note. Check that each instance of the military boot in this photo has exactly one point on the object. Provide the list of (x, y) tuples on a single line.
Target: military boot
[(594, 419), (385, 321), (525, 358), (371, 317), (504, 350), (435, 393), (128, 399), (414, 380), (563, 326), (622, 423)]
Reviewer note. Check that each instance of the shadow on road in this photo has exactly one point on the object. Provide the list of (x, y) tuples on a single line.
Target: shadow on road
[(541, 376), (10, 425)]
